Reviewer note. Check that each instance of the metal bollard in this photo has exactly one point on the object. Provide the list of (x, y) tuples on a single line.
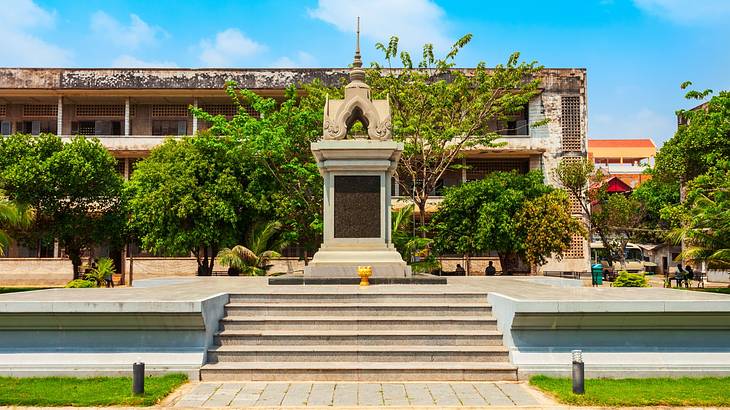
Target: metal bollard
[(138, 379), (578, 372)]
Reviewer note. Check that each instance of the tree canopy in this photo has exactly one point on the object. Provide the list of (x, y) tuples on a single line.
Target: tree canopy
[(191, 195), (498, 213), (74, 189)]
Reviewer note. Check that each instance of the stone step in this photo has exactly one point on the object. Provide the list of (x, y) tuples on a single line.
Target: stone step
[(360, 337), (363, 309), (357, 322), (359, 296), (358, 371), (357, 353)]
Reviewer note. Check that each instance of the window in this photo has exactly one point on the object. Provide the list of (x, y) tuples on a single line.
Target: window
[(36, 127), (3, 110), (40, 110), (96, 127), (570, 121), (477, 169), (101, 110), (170, 110), (6, 128), (169, 127), (576, 250)]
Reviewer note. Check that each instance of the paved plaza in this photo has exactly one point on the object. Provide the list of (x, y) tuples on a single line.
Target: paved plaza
[(262, 394)]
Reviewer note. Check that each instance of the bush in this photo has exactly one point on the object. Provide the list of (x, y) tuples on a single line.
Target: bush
[(81, 283), (630, 280)]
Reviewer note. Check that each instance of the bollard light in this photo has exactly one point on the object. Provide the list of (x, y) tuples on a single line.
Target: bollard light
[(138, 379), (578, 372)]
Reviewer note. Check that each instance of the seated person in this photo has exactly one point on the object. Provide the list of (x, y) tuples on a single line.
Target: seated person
[(690, 275), (460, 270), (490, 270)]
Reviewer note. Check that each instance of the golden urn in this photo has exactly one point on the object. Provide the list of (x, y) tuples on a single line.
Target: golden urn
[(365, 272)]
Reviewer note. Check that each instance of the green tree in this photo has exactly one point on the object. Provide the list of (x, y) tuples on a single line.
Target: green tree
[(12, 216), (414, 249), (263, 245), (73, 187), (438, 111), (700, 142), (190, 196), (283, 175), (482, 216), (546, 226), (705, 218), (655, 194), (621, 215)]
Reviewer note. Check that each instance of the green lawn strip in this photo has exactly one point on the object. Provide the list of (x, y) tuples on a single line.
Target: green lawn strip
[(714, 290), (97, 391), (640, 392), (12, 290)]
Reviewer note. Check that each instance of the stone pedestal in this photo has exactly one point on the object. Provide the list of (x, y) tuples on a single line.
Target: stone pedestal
[(357, 223)]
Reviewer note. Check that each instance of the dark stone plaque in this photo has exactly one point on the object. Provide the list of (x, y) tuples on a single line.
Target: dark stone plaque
[(357, 206)]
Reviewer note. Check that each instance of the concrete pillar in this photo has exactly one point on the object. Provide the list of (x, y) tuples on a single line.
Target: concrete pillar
[(126, 117), (195, 118), (59, 117), (463, 170)]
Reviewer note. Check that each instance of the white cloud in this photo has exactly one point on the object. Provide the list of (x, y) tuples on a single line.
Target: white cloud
[(687, 11), (643, 123), (230, 47), (414, 22), (21, 47), (302, 59), (128, 61), (131, 36)]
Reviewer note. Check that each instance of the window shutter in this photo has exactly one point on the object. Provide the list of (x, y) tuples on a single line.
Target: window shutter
[(6, 128), (35, 128)]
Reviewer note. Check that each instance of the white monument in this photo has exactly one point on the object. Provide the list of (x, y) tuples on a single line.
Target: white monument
[(357, 171)]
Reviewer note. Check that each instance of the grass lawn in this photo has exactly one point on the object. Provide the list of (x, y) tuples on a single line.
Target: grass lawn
[(97, 391), (11, 290), (640, 392), (715, 290)]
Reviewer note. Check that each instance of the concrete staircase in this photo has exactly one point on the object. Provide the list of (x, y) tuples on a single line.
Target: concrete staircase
[(358, 337)]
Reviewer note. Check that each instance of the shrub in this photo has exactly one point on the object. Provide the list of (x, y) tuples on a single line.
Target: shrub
[(81, 283), (630, 280), (104, 268)]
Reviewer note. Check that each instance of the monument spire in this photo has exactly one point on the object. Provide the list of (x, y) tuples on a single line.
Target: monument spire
[(357, 73)]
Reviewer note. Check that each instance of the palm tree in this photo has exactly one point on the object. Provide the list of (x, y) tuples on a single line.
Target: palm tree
[(253, 260), (411, 246), (12, 215), (707, 233)]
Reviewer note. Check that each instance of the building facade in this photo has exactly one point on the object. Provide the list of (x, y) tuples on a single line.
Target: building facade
[(132, 110), (626, 159)]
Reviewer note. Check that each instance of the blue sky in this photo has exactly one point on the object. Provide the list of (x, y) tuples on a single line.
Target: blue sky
[(637, 52)]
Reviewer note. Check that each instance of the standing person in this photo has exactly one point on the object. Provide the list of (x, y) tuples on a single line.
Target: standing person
[(679, 275), (490, 270)]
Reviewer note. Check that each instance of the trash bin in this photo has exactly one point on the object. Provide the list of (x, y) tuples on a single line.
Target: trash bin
[(597, 274)]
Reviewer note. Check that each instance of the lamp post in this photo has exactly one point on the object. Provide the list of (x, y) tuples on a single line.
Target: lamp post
[(578, 372)]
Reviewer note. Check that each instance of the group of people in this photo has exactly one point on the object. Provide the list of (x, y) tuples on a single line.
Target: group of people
[(682, 275), (490, 270)]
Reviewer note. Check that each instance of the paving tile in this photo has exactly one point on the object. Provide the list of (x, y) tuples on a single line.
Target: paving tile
[(321, 394), (468, 394), (518, 393), (220, 399), (345, 394), (272, 395), (493, 395), (370, 394), (297, 394), (443, 394), (418, 394), (248, 395), (394, 394)]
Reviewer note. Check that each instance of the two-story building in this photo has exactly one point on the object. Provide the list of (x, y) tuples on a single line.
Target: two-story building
[(132, 110)]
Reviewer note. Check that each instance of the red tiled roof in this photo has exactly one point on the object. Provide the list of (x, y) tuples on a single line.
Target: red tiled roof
[(621, 143)]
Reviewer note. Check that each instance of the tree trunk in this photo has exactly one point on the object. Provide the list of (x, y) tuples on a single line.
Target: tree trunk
[(467, 257), (422, 216), (203, 264), (75, 256), (509, 261)]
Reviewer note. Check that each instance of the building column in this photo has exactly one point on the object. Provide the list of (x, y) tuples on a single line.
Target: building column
[(59, 117), (195, 117), (463, 170), (126, 117)]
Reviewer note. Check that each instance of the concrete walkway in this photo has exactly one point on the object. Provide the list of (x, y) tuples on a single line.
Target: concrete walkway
[(320, 394)]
